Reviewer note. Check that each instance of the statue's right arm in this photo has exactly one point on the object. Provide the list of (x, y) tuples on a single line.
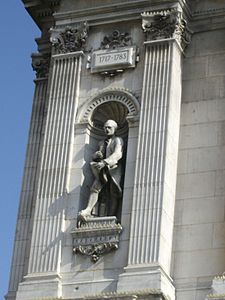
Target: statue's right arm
[(99, 153)]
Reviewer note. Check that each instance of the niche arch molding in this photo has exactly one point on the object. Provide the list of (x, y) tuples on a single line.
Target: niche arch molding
[(113, 95)]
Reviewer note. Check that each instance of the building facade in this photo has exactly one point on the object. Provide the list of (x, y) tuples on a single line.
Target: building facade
[(157, 68)]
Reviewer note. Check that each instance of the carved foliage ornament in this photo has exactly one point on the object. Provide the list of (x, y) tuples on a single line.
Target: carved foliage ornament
[(116, 40), (40, 64), (70, 39), (166, 24)]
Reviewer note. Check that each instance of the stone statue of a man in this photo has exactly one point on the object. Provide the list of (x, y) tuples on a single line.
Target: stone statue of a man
[(107, 169)]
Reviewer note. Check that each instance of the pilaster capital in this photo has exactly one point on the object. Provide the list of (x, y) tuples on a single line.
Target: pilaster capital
[(40, 64), (69, 39), (166, 24), (218, 288)]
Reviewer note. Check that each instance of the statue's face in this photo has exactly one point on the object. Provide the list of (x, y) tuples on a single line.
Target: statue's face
[(109, 129)]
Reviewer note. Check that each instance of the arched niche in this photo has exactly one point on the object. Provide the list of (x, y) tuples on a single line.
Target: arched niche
[(122, 96), (116, 104), (110, 110)]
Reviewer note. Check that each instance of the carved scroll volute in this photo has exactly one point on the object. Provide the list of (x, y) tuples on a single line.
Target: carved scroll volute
[(166, 24), (69, 39), (40, 64)]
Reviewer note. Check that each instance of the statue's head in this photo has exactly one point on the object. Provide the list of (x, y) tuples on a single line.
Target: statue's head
[(110, 127)]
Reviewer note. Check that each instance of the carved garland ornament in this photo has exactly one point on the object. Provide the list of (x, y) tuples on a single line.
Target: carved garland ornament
[(166, 24), (69, 40), (95, 251), (122, 96)]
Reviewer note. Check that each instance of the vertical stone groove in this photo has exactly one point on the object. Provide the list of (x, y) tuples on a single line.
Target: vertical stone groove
[(22, 238), (149, 175), (47, 234)]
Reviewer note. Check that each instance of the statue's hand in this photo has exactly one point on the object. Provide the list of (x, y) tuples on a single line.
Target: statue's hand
[(97, 156), (100, 165)]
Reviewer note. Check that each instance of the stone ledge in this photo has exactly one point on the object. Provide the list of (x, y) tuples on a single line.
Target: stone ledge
[(96, 236), (147, 294), (142, 295), (216, 297)]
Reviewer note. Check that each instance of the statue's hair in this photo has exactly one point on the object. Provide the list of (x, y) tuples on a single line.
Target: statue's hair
[(113, 123)]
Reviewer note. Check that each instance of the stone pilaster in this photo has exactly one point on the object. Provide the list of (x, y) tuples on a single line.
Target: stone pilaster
[(43, 279), (27, 199), (55, 159), (152, 213)]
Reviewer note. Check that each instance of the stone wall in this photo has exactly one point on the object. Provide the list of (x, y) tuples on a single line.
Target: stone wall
[(199, 240)]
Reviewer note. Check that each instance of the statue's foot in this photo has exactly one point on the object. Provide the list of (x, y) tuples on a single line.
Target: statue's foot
[(84, 214)]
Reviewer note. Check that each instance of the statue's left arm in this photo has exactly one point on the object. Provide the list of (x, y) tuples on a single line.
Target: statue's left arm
[(117, 154)]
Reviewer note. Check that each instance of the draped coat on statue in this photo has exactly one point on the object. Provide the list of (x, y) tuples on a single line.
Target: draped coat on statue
[(112, 152)]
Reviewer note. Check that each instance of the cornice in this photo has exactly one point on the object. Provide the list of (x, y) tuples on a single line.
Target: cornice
[(210, 19), (116, 12), (46, 13), (41, 11), (212, 11)]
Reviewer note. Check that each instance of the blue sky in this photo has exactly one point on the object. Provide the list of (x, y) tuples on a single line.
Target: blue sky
[(17, 31)]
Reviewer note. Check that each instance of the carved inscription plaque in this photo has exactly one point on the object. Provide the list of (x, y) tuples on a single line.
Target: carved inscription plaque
[(105, 60)]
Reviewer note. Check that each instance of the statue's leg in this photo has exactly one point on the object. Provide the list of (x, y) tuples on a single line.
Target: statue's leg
[(93, 199), (114, 200), (95, 170)]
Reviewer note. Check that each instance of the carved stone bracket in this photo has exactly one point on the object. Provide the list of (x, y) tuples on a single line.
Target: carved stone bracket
[(40, 64), (69, 40), (166, 24), (96, 237)]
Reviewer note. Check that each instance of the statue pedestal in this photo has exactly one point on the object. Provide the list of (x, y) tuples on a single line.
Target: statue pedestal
[(218, 288), (96, 236)]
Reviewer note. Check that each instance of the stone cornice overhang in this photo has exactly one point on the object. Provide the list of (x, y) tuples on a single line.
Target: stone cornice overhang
[(206, 20), (41, 11), (45, 11), (198, 21), (117, 12)]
